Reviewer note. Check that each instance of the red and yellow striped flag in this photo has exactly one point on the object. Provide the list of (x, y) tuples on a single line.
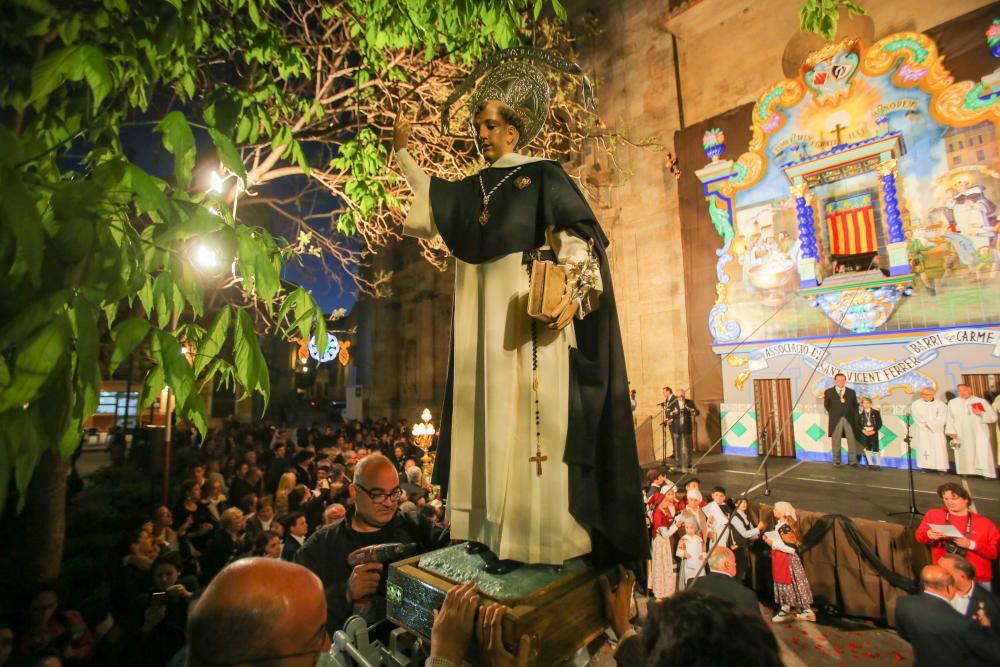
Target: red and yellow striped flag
[(853, 232)]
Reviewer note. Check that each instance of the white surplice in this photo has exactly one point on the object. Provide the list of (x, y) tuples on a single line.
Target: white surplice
[(974, 455), (495, 496), (927, 434)]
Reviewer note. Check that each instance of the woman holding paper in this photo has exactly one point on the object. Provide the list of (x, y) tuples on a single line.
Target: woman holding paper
[(791, 586)]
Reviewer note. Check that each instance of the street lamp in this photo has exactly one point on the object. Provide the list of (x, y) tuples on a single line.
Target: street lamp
[(423, 435)]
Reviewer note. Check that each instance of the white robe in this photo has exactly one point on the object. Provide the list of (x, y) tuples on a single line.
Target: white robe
[(974, 455), (927, 434), (495, 496)]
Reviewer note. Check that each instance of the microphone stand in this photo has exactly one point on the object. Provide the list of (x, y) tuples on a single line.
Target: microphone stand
[(912, 511), (767, 478), (663, 434)]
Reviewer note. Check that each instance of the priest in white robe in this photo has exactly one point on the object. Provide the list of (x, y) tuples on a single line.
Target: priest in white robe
[(970, 419), (520, 423), (927, 433)]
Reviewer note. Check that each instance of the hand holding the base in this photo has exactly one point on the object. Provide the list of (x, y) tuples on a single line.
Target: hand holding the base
[(618, 604), (490, 637), (453, 624)]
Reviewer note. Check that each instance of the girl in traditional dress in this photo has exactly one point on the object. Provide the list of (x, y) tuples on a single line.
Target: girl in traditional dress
[(666, 521), (791, 586), (693, 510), (691, 549)]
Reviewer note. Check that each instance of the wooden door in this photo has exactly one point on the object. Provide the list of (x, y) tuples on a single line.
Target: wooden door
[(773, 402), (984, 385)]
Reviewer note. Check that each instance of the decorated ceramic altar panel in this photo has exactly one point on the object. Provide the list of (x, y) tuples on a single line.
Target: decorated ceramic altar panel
[(858, 234)]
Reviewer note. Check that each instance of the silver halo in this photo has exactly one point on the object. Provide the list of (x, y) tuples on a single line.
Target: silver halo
[(522, 88)]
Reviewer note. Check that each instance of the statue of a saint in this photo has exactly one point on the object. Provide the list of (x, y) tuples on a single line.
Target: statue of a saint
[(537, 455)]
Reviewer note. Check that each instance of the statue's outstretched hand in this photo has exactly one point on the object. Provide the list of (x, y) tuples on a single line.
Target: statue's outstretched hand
[(401, 131)]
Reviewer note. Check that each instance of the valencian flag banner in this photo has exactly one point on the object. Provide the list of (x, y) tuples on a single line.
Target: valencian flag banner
[(852, 226)]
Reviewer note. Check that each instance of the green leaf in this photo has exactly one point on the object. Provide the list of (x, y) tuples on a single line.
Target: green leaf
[(34, 363), (125, 337), (322, 340), (249, 364), (146, 298), (94, 69), (213, 341), (87, 381), (147, 191), (152, 385), (228, 154), (179, 140), (559, 10), (163, 298), (20, 216), (194, 410), (38, 313), (193, 220), (177, 372), (72, 63)]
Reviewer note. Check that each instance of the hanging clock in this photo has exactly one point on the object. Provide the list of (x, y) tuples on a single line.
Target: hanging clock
[(332, 349)]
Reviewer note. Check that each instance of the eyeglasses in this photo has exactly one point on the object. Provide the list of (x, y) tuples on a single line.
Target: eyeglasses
[(379, 497), (324, 645)]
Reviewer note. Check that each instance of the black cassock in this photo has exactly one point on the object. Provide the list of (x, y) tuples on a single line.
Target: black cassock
[(604, 477)]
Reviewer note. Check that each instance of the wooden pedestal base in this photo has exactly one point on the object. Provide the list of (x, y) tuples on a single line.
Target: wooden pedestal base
[(562, 609)]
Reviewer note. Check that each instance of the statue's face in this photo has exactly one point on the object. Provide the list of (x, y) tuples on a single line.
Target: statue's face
[(495, 136)]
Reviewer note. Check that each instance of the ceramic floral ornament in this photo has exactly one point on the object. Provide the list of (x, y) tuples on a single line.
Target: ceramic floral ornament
[(714, 142), (993, 37)]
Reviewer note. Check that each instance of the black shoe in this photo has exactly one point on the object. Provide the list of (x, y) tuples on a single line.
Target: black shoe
[(876, 467), (502, 566), (475, 548), (856, 465)]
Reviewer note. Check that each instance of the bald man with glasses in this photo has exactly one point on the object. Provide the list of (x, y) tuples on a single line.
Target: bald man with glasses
[(258, 611), (373, 519)]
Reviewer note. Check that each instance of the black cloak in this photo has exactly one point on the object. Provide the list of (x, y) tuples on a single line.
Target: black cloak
[(604, 476)]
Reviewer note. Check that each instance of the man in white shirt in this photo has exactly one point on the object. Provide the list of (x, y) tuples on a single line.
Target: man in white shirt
[(970, 420), (927, 433), (940, 635), (970, 597)]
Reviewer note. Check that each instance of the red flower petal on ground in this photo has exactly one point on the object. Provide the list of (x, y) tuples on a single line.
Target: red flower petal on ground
[(854, 646)]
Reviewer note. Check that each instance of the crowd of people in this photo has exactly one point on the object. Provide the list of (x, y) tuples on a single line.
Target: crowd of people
[(253, 497), (245, 491)]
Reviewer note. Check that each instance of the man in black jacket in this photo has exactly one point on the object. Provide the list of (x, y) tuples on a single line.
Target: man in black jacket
[(720, 580), (374, 519), (939, 634), (682, 416), (841, 404)]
